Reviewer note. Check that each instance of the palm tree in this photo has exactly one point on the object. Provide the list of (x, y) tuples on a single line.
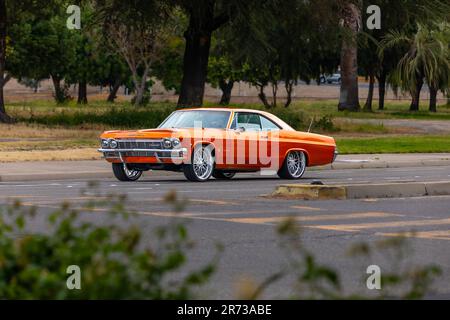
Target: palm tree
[(427, 60), (350, 13)]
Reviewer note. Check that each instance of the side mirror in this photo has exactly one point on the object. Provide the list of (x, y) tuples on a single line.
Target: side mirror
[(240, 129)]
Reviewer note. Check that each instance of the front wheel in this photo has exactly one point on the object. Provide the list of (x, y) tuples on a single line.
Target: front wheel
[(294, 166), (123, 173), (202, 164)]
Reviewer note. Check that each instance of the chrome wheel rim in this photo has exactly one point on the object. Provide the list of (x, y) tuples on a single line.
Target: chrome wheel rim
[(203, 163), (131, 174), (296, 164)]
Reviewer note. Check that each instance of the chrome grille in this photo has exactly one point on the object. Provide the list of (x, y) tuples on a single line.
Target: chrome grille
[(160, 154), (139, 154), (139, 144)]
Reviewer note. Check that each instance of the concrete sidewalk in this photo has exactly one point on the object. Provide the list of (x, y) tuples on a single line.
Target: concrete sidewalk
[(96, 169)]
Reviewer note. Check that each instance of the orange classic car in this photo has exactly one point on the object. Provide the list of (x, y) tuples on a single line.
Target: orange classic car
[(218, 142)]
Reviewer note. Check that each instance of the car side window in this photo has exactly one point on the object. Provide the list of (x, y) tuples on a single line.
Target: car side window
[(268, 125), (248, 121)]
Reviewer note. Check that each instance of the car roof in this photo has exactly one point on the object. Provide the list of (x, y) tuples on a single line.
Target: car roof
[(224, 109), (283, 124)]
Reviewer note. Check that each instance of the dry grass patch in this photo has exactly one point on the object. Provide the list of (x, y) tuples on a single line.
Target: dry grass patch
[(50, 155), (34, 131)]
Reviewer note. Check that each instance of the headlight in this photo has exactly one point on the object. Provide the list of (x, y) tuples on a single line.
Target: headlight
[(113, 144), (167, 143), (105, 144), (176, 143)]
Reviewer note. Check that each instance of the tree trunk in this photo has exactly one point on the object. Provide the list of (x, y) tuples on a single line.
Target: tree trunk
[(263, 97), (349, 96), (433, 99), (381, 90), (3, 116), (416, 96), (139, 96), (82, 93), (113, 93), (140, 87), (289, 88), (226, 88), (274, 94), (368, 105), (58, 91), (196, 56)]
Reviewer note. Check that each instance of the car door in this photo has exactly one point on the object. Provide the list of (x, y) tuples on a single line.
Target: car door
[(269, 146), (246, 130)]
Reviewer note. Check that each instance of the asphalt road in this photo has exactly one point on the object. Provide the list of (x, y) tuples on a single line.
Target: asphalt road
[(237, 215)]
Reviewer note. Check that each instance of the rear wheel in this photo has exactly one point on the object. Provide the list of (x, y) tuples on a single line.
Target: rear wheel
[(123, 173), (221, 175), (202, 164), (294, 166)]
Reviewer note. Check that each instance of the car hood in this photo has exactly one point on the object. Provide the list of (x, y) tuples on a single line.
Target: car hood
[(143, 134)]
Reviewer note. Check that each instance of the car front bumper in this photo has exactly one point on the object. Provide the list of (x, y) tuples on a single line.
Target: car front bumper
[(154, 154)]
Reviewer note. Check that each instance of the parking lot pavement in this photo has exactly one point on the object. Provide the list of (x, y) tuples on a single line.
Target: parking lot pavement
[(99, 169), (236, 214)]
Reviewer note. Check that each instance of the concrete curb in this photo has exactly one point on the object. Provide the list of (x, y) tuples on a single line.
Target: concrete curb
[(362, 191), (384, 164)]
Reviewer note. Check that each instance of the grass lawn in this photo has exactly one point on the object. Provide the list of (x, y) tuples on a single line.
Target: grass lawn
[(394, 144), (46, 131)]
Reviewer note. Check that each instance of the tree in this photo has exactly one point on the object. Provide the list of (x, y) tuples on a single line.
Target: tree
[(298, 46), (112, 73), (222, 74), (3, 23), (226, 65), (427, 59), (396, 15), (205, 17), (350, 13), (137, 31), (169, 69), (42, 47)]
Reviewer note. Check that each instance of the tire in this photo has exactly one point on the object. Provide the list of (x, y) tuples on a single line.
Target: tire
[(122, 173), (294, 166), (221, 175), (202, 164)]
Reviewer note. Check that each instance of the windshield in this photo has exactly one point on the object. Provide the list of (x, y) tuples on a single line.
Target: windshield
[(197, 118)]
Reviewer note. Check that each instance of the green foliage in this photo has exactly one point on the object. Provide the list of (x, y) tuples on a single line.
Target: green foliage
[(222, 69), (394, 144), (169, 69), (39, 49), (295, 118), (113, 117), (116, 262), (325, 123), (427, 56)]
